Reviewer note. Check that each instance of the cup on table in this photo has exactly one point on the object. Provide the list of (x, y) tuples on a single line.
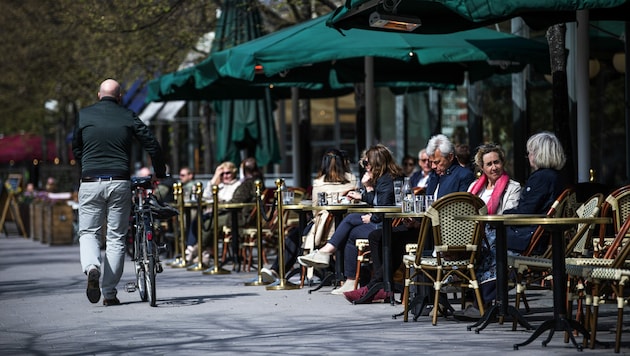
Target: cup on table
[(288, 197), (418, 203), (428, 200)]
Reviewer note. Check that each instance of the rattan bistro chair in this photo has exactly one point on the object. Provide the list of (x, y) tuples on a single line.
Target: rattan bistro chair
[(457, 244), (617, 206), (595, 272), (576, 247)]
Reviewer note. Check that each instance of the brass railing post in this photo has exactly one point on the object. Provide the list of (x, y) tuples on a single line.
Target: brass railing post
[(283, 283), (259, 210), (216, 269), (199, 265), (180, 262)]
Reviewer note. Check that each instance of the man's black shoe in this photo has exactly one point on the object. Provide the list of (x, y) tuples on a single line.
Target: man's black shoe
[(110, 302), (93, 289)]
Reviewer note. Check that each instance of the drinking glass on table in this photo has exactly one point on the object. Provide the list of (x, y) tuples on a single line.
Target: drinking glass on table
[(398, 192), (418, 205)]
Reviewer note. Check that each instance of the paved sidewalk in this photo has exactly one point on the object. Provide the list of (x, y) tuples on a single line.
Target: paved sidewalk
[(44, 311)]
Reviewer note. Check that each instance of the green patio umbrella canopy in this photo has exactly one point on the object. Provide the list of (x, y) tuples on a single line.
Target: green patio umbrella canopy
[(443, 16), (243, 125), (180, 85), (312, 47)]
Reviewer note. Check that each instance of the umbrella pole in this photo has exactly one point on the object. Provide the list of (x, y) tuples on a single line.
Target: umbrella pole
[(369, 101)]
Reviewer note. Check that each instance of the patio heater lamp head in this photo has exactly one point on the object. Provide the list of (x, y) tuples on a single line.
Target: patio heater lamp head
[(394, 22)]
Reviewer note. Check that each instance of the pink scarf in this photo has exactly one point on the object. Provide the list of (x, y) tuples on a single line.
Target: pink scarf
[(497, 192)]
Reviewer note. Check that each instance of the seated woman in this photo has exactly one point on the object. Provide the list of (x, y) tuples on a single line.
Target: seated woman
[(500, 193), (546, 159), (226, 178), (378, 181), (334, 176)]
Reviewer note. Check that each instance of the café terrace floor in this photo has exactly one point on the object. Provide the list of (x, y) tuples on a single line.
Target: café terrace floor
[(44, 311)]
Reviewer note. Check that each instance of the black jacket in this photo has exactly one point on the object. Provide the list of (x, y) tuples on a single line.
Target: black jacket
[(103, 138), (541, 189)]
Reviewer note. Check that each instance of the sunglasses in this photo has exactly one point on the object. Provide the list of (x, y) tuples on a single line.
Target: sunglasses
[(365, 162), (226, 173)]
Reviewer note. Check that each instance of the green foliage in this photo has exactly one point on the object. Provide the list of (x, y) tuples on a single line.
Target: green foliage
[(63, 49)]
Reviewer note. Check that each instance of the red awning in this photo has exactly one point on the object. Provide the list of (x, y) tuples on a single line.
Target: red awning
[(26, 147)]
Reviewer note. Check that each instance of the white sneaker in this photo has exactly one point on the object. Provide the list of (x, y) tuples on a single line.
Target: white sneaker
[(315, 259), (347, 286), (268, 275)]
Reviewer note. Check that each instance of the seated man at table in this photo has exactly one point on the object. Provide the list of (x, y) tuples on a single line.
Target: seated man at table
[(447, 176)]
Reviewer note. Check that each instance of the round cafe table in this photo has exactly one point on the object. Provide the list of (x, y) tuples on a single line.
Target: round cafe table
[(559, 320)]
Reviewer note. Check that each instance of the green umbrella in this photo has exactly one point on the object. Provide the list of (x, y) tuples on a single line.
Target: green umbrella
[(443, 16), (312, 46), (243, 125)]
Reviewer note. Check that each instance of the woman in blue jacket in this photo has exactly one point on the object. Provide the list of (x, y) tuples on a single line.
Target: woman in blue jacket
[(546, 158)]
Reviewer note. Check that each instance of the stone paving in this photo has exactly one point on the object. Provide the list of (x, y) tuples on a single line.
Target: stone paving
[(44, 311)]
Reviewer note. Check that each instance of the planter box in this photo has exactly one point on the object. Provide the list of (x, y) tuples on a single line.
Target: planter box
[(58, 224), (37, 221), (25, 214)]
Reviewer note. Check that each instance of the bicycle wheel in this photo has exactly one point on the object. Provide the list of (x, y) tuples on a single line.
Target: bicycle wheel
[(150, 274), (141, 282), (139, 258)]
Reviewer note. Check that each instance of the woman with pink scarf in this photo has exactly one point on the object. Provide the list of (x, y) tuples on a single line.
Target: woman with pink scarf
[(500, 193)]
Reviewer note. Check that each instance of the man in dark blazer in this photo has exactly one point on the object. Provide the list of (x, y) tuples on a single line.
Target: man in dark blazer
[(447, 176)]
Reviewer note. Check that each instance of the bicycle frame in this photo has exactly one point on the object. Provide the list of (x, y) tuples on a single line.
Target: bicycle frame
[(145, 251)]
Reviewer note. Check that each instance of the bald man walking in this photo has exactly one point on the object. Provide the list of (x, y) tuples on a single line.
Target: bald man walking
[(102, 142)]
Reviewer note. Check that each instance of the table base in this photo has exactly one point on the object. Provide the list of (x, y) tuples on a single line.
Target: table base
[(329, 278), (494, 311), (444, 306), (557, 324)]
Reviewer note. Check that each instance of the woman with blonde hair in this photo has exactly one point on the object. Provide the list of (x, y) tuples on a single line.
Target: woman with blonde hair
[(546, 159)]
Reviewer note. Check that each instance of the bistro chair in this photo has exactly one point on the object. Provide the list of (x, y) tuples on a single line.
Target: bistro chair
[(321, 231), (617, 206), (363, 256), (576, 246), (596, 272), (564, 206), (249, 232), (457, 244)]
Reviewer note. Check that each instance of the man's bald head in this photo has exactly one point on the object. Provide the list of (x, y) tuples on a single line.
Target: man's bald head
[(110, 88)]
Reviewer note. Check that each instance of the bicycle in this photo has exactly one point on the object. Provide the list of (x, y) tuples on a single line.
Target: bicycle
[(146, 245)]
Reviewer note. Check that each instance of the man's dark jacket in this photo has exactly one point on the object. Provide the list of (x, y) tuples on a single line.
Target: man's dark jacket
[(103, 138)]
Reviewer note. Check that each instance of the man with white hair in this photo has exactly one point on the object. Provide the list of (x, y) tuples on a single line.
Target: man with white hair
[(447, 176)]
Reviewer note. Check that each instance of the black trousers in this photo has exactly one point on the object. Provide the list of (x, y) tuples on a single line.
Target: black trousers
[(401, 236)]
